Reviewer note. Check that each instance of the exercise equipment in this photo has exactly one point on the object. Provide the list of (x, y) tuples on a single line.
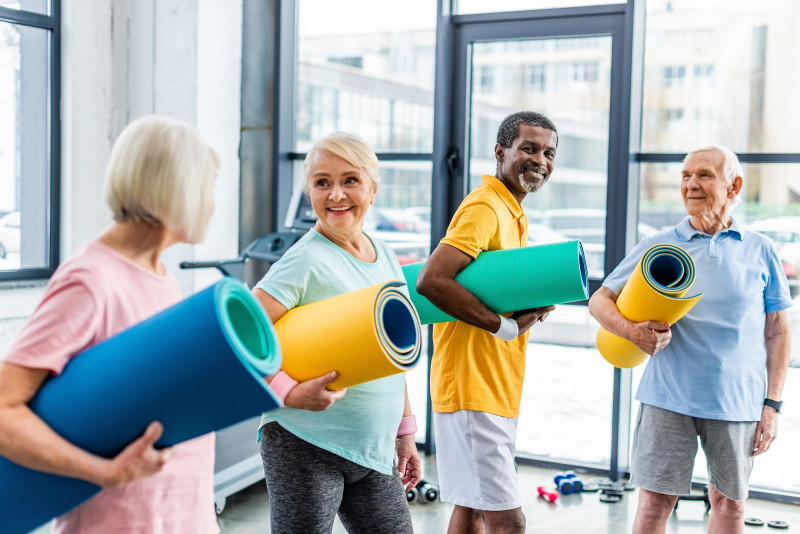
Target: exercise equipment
[(548, 496), (428, 491), (514, 279), (568, 482), (412, 495), (654, 292), (778, 524), (753, 522), (363, 335), (197, 367), (703, 497)]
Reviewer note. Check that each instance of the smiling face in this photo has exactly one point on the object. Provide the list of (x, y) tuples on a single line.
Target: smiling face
[(706, 194), (340, 194), (526, 165)]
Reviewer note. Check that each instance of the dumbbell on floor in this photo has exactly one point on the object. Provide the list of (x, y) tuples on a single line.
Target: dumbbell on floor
[(424, 492), (568, 482)]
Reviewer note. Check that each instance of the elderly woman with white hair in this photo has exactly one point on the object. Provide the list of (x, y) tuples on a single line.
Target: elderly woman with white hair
[(159, 186), (718, 373), (332, 452)]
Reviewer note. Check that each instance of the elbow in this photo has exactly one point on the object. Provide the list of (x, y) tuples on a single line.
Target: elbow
[(422, 284), (593, 306)]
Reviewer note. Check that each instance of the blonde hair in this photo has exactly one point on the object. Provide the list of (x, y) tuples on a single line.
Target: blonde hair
[(161, 171), (350, 148)]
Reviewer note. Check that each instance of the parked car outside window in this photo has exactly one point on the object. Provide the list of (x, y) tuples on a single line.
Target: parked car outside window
[(9, 234)]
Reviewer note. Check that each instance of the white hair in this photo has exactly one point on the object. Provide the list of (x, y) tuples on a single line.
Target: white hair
[(731, 168)]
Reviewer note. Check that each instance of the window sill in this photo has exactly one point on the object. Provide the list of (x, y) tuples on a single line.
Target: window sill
[(19, 299)]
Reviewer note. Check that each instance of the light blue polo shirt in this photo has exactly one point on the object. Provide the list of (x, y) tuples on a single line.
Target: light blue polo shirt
[(715, 365), (361, 426)]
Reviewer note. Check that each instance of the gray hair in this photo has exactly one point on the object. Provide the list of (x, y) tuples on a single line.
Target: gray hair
[(731, 168)]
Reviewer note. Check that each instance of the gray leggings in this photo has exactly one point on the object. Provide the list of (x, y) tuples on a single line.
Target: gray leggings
[(308, 485)]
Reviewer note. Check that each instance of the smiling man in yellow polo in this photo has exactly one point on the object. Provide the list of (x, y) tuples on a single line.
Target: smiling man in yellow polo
[(479, 360)]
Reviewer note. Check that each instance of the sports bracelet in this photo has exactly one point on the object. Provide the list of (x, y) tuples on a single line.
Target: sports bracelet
[(408, 425)]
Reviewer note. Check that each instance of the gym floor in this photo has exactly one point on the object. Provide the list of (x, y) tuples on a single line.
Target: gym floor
[(247, 512)]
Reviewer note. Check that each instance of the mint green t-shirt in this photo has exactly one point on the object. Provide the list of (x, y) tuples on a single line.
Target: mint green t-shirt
[(361, 426)]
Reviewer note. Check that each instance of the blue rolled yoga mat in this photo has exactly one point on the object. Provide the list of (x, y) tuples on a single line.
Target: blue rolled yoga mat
[(196, 367), (514, 279)]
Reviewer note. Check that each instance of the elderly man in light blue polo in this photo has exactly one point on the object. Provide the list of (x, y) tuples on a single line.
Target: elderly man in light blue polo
[(707, 374)]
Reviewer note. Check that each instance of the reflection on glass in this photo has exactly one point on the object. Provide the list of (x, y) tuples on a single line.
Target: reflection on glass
[(417, 384), (771, 205), (24, 147), (568, 80), (722, 71), (369, 74), (566, 380), (36, 6), (464, 7)]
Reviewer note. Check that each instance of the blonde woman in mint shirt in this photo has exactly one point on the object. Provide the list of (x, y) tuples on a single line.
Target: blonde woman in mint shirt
[(333, 452)]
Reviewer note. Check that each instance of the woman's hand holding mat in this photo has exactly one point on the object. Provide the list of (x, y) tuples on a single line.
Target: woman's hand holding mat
[(196, 367), (363, 335)]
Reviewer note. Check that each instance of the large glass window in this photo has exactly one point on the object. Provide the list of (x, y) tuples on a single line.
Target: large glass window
[(572, 79), (721, 71), (482, 6), (769, 206), (27, 149), (372, 75), (571, 87)]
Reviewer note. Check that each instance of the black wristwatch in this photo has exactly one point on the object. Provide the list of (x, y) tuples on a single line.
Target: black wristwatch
[(777, 405)]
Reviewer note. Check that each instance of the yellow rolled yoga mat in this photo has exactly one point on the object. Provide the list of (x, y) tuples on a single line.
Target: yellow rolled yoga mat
[(363, 335), (654, 292)]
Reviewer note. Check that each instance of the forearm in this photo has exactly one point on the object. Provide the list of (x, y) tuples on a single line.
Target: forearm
[(777, 337), (27, 440), (407, 404), (455, 300), (603, 307)]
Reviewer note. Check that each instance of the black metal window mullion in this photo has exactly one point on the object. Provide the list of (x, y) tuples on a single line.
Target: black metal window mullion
[(52, 24)]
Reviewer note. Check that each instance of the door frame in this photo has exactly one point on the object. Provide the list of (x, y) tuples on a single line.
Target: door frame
[(455, 35)]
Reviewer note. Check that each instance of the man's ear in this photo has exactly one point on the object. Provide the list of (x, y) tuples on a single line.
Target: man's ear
[(499, 152), (736, 187)]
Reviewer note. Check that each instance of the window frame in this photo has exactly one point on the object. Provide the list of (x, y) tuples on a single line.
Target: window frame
[(52, 24)]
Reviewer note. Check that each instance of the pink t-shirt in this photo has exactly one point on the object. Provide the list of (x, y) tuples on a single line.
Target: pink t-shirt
[(92, 296)]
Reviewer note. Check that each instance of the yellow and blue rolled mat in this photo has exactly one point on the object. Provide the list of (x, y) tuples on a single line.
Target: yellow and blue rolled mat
[(363, 335), (654, 292), (514, 279), (197, 367)]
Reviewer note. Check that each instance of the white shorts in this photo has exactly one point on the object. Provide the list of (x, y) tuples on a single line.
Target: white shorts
[(475, 459)]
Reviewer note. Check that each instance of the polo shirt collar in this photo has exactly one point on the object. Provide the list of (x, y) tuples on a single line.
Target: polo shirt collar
[(504, 194), (686, 231)]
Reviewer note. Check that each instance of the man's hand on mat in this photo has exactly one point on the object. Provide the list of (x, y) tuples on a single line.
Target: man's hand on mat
[(527, 318), (766, 431), (313, 394), (138, 460), (650, 336), (408, 461)]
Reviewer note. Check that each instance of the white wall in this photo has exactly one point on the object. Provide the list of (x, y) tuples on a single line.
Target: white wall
[(122, 59)]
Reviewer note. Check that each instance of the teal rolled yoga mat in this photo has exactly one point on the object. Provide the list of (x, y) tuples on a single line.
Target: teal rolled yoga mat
[(514, 279), (197, 367)]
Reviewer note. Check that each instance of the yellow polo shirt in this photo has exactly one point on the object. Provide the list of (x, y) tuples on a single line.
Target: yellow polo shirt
[(471, 369)]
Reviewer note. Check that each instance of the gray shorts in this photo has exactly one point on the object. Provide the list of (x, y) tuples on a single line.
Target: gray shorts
[(308, 486), (665, 445)]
